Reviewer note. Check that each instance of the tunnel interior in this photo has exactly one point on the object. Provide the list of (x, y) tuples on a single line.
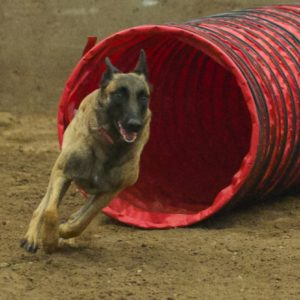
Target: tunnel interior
[(200, 130)]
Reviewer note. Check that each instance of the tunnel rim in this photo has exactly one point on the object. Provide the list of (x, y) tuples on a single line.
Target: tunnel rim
[(126, 212)]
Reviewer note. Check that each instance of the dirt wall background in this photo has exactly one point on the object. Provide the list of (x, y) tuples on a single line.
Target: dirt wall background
[(250, 253), (41, 41)]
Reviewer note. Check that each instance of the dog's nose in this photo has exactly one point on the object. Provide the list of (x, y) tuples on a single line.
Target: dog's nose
[(134, 125)]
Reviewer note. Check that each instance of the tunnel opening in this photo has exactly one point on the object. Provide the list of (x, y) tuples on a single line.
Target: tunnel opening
[(200, 131)]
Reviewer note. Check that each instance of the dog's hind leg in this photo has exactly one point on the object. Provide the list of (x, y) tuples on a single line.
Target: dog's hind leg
[(58, 187), (82, 218)]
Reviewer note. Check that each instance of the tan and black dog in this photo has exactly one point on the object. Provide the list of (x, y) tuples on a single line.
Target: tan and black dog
[(100, 154)]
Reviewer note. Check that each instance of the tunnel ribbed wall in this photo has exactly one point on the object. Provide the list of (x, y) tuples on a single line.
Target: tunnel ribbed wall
[(225, 106)]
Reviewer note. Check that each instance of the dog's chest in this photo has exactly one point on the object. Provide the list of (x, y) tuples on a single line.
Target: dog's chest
[(99, 173)]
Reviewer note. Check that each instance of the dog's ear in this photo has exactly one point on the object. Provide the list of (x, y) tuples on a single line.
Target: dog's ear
[(109, 72), (141, 66)]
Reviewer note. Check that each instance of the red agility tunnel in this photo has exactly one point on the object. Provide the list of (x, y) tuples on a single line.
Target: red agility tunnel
[(226, 112)]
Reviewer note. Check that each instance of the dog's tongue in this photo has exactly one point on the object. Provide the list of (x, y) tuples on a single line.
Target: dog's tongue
[(128, 137)]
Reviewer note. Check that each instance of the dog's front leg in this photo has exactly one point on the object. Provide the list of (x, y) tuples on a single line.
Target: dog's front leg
[(82, 218), (30, 241), (58, 187)]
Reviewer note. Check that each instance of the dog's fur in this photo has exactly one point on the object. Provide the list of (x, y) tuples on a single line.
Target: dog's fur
[(100, 154)]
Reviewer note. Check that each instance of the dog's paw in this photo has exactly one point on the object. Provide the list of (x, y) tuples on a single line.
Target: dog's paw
[(66, 231), (29, 245)]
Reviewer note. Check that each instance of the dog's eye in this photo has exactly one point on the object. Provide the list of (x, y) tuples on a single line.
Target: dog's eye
[(143, 98), (120, 94), (117, 95)]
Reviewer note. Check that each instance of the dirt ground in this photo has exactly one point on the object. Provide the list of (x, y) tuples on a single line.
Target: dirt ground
[(252, 252)]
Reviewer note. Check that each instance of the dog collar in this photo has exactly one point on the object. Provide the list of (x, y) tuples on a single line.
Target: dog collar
[(104, 133)]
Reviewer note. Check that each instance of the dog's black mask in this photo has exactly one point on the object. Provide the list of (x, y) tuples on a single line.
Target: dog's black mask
[(127, 97)]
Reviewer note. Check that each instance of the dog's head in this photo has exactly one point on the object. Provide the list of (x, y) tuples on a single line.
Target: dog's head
[(126, 98)]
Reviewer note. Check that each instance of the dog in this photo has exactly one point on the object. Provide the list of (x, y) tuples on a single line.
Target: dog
[(100, 154)]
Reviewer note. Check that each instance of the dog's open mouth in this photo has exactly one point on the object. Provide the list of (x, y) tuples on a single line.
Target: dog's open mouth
[(128, 137)]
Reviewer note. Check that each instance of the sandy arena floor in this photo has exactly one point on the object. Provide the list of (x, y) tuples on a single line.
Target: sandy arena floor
[(249, 253)]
